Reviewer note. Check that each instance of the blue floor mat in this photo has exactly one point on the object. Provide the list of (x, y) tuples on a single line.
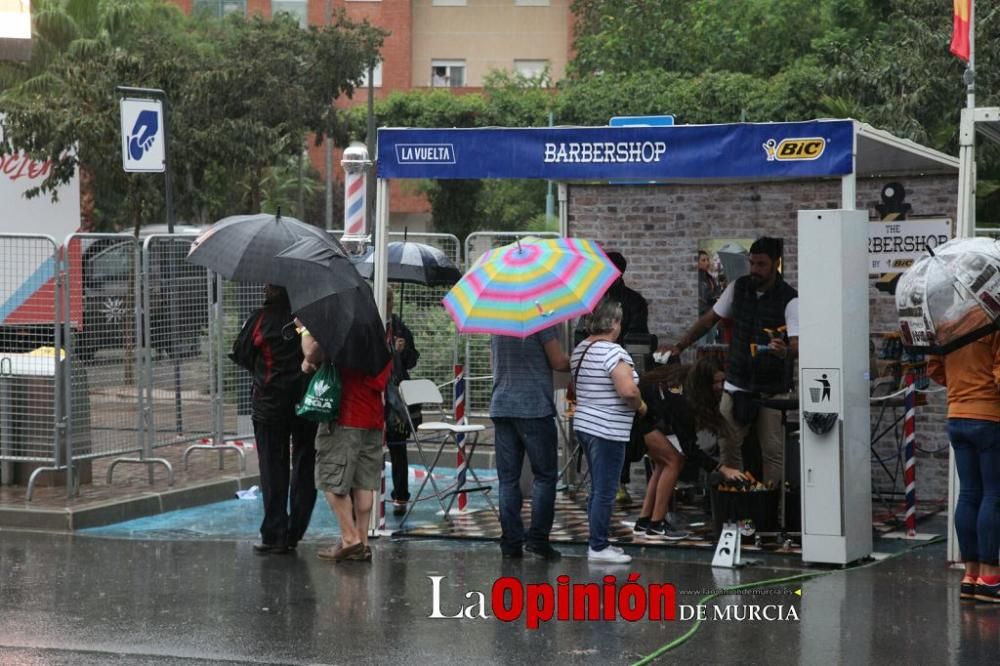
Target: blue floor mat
[(239, 519)]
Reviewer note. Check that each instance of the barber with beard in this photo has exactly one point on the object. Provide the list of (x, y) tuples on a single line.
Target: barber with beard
[(765, 314)]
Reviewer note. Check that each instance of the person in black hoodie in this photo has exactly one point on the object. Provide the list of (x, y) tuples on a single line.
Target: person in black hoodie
[(278, 385), (404, 358)]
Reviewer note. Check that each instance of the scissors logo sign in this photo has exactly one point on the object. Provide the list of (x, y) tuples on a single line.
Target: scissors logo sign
[(142, 134)]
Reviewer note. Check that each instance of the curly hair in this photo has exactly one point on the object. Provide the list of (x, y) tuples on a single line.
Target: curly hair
[(696, 383)]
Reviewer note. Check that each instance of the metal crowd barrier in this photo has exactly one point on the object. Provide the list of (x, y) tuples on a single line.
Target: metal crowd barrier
[(32, 385), (117, 347)]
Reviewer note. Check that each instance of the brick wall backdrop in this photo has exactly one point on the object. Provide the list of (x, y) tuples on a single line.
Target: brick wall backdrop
[(658, 229)]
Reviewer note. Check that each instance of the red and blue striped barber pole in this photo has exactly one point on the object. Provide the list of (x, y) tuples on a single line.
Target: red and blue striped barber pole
[(910, 466), (354, 203), (460, 465)]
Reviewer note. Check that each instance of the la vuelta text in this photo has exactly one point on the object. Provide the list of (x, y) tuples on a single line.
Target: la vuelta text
[(510, 599)]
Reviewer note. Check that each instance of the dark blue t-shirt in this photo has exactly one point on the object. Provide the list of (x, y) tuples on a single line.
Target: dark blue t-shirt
[(522, 377)]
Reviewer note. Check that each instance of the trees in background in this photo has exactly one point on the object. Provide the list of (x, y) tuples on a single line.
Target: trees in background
[(245, 93), (243, 97), (715, 61)]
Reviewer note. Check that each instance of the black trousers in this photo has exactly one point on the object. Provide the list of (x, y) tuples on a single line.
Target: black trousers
[(400, 471), (285, 477)]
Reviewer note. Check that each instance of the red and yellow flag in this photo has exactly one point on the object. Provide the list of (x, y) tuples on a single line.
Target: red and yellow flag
[(960, 29)]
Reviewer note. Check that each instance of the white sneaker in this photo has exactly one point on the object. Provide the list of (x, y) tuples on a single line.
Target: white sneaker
[(609, 555)]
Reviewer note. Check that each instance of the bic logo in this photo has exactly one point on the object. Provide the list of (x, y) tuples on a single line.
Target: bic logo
[(794, 149)]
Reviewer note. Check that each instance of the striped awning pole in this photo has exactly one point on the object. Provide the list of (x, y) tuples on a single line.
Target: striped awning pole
[(460, 463), (910, 466)]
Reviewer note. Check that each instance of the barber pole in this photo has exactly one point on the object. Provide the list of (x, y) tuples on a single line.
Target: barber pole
[(354, 204), (355, 163), (910, 467), (460, 437)]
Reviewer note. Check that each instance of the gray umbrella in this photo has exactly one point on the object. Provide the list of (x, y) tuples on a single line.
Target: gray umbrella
[(243, 247), (416, 263)]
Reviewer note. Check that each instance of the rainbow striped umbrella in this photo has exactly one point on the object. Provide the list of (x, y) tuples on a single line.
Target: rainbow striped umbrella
[(532, 284)]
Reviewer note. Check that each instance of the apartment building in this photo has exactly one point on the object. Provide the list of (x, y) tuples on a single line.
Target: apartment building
[(433, 43)]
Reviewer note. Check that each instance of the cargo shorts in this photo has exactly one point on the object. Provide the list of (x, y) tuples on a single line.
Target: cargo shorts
[(347, 458)]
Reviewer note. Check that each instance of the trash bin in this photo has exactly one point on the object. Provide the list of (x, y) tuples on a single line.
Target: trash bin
[(28, 416)]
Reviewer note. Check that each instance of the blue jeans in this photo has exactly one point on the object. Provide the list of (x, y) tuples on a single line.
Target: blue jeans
[(977, 514), (537, 437), (604, 458)]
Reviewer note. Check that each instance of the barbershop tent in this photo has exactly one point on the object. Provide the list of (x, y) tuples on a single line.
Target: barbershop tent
[(653, 191)]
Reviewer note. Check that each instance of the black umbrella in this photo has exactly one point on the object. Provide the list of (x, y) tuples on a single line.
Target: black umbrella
[(415, 263), (244, 247), (335, 304)]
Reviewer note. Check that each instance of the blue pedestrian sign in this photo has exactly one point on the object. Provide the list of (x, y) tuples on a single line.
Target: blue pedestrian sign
[(143, 144), (642, 121)]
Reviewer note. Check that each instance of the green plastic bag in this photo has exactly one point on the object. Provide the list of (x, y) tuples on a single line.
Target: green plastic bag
[(322, 399)]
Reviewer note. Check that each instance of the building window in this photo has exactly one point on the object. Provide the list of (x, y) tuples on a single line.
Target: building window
[(447, 73), (299, 9), (531, 69), (219, 8), (448, 3), (376, 76), (531, 3)]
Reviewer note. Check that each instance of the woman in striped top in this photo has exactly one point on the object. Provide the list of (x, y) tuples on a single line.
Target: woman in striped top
[(607, 394)]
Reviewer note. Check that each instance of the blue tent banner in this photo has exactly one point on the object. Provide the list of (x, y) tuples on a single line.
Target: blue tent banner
[(681, 152)]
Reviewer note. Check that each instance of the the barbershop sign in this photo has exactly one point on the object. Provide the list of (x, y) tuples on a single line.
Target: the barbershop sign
[(894, 246), (679, 152)]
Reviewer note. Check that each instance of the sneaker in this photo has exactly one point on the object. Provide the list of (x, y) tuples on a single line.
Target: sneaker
[(608, 556), (543, 552), (987, 593), (641, 524), (622, 496), (270, 549), (512, 554), (398, 508), (967, 590), (662, 528), (678, 520)]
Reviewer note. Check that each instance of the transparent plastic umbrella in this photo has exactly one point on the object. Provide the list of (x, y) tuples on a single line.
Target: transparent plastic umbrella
[(950, 297)]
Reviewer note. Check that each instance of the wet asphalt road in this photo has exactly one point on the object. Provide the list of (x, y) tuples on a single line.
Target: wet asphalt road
[(74, 599)]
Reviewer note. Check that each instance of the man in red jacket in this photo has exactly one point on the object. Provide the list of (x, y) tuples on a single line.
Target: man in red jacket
[(349, 453)]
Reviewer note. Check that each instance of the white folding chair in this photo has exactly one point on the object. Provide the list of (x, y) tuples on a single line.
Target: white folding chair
[(424, 392)]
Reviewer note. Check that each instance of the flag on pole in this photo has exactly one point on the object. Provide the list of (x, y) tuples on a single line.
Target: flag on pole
[(960, 29)]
